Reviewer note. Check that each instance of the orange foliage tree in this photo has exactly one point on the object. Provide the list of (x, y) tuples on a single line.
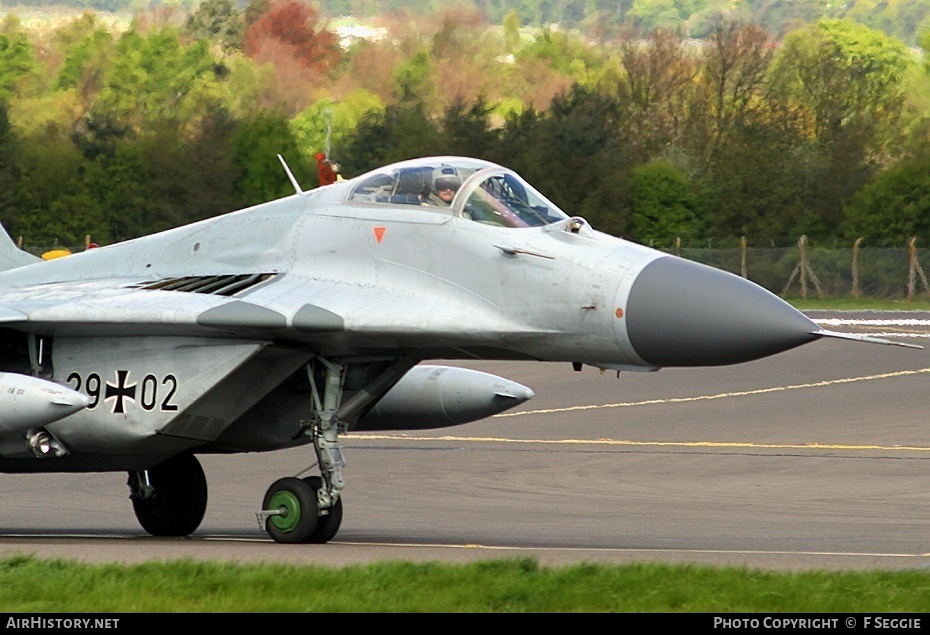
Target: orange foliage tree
[(291, 31)]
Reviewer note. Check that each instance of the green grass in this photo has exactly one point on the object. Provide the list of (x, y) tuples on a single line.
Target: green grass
[(33, 585), (920, 303)]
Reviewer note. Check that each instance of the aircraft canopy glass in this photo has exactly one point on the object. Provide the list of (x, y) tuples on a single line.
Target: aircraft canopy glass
[(476, 190), (503, 198), (416, 182)]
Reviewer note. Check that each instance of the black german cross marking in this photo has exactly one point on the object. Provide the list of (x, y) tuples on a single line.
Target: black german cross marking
[(120, 391)]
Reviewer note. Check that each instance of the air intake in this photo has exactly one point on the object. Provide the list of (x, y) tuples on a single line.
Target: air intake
[(212, 285)]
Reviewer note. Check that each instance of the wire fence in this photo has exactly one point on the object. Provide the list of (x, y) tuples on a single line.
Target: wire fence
[(805, 272)]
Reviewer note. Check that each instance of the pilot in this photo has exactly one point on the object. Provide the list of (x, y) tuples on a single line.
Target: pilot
[(445, 185)]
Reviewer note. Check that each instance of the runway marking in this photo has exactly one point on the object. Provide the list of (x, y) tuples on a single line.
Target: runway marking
[(684, 444), (723, 395), (896, 334), (735, 552), (911, 322), (860, 322), (626, 442)]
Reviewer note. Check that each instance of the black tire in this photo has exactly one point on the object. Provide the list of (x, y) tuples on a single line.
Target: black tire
[(180, 499), (327, 525), (298, 501)]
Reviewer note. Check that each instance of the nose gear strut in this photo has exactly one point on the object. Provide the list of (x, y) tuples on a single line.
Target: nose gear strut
[(310, 509)]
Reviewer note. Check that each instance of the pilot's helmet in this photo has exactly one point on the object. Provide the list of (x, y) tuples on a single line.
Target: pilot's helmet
[(446, 178)]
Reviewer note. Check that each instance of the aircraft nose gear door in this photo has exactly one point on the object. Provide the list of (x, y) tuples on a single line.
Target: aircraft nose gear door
[(309, 510)]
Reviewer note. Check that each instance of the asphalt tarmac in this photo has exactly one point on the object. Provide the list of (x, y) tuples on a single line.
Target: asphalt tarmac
[(818, 458)]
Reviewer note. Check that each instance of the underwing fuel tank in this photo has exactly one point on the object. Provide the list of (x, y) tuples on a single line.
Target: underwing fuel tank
[(441, 396), (29, 402)]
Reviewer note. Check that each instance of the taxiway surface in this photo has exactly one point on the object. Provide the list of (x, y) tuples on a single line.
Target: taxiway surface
[(818, 458)]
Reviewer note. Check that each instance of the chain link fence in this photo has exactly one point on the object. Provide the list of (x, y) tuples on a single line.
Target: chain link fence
[(811, 272)]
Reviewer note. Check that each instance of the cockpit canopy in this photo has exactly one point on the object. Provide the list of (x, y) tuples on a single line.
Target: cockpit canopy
[(469, 188)]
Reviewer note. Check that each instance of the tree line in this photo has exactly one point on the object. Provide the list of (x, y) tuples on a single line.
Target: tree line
[(597, 19), (120, 131)]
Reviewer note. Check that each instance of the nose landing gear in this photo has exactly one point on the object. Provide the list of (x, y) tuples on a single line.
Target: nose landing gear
[(309, 510)]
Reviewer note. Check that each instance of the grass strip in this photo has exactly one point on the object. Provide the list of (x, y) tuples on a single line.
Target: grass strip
[(33, 585)]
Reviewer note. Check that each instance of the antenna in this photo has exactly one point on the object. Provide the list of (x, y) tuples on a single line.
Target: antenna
[(329, 131), (290, 175)]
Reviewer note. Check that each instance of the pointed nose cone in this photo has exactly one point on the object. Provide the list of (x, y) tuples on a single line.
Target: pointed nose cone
[(513, 393), (681, 313)]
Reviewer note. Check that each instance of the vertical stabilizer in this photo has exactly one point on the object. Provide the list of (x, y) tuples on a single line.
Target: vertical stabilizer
[(12, 256)]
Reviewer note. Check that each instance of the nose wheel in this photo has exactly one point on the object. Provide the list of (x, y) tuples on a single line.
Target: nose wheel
[(292, 515), (290, 510)]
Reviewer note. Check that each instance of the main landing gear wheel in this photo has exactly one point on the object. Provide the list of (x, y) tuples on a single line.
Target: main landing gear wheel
[(296, 507), (176, 500), (328, 523)]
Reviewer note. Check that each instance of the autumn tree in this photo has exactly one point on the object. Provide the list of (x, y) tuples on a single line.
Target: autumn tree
[(751, 165), (734, 66), (292, 39), (656, 90), (291, 30), (465, 61), (546, 67)]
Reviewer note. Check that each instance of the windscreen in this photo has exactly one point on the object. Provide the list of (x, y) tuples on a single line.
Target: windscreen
[(503, 199)]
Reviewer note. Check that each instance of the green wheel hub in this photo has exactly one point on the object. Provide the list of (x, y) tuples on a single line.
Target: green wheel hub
[(290, 519), (294, 505)]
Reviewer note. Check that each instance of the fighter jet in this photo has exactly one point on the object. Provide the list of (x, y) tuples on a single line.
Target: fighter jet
[(296, 321)]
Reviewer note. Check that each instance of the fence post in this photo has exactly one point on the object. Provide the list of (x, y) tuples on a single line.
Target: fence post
[(742, 263), (804, 269), (914, 269), (855, 268), (678, 246)]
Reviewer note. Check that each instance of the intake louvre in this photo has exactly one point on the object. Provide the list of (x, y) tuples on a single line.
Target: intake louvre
[(226, 285)]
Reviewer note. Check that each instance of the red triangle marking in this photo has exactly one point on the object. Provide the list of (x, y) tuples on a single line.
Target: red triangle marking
[(379, 233)]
